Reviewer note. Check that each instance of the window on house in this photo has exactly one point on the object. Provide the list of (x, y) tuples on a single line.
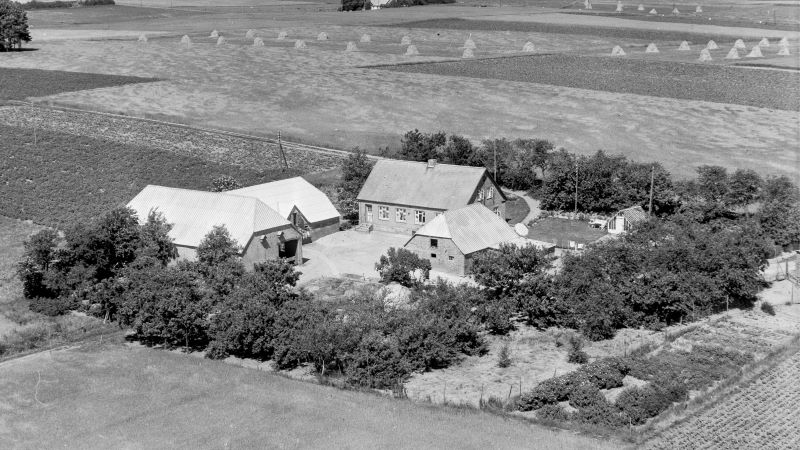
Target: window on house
[(490, 192), (450, 258), (434, 243), (401, 214), (383, 212), (480, 195), (433, 255), (419, 216), (497, 211)]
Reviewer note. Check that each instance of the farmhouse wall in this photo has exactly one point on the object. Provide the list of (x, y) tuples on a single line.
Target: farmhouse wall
[(261, 249), (324, 228), (391, 225), (421, 245), (496, 200)]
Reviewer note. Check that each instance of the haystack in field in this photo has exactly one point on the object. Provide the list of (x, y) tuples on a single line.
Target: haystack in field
[(705, 55), (365, 38), (468, 53), (784, 51), (142, 38), (528, 47), (653, 12), (684, 47), (469, 43), (282, 35), (251, 33), (185, 40), (784, 41), (405, 40), (619, 6), (214, 34), (651, 48), (640, 8), (739, 44), (755, 52), (322, 36), (412, 50), (764, 42), (699, 9), (351, 47), (712, 45), (733, 54), (617, 51), (675, 11), (258, 42), (299, 43), (220, 40)]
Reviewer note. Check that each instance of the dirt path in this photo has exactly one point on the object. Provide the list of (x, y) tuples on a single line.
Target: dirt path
[(533, 204)]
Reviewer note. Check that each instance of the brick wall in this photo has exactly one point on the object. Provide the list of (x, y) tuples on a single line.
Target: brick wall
[(392, 225), (421, 245), (496, 200)]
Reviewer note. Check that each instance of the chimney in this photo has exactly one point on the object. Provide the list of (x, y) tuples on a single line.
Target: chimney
[(431, 163)]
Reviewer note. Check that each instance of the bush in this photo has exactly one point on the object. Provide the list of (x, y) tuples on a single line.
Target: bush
[(52, 306), (548, 392), (606, 373), (585, 395), (640, 404), (576, 355), (504, 358), (768, 308), (553, 412), (399, 265), (355, 5), (601, 413)]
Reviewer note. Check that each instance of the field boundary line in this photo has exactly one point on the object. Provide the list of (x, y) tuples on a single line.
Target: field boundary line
[(23, 356), (289, 145)]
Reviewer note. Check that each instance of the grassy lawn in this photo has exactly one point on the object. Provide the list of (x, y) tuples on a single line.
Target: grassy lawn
[(112, 396), (13, 308), (62, 178), (561, 231), (19, 84), (516, 209)]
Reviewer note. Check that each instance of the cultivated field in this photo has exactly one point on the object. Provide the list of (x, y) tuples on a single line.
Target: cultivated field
[(327, 96), (19, 84), (111, 395)]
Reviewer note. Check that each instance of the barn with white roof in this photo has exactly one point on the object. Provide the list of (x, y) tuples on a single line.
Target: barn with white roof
[(261, 232), (298, 201)]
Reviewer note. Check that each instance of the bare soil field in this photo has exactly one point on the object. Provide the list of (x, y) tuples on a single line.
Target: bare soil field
[(19, 84), (111, 395), (761, 88)]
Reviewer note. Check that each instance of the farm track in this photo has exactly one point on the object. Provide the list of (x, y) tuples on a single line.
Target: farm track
[(214, 145)]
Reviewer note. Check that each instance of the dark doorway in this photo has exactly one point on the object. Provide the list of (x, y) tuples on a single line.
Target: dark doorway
[(288, 249)]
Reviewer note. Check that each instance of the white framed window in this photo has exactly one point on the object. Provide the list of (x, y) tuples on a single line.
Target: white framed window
[(434, 243), (480, 195), (490, 192), (419, 216), (497, 211), (383, 212), (401, 215)]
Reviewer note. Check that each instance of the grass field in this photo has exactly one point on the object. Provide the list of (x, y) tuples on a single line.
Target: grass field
[(58, 179), (561, 231), (13, 309), (19, 84), (712, 83), (110, 396)]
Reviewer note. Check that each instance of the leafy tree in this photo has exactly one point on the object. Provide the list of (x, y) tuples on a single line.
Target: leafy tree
[(217, 247), (355, 171), (527, 156), (356, 5), (779, 215), (224, 183), (713, 183), (744, 188), (417, 146), (502, 271), (155, 239), (399, 265), (458, 150), (13, 25)]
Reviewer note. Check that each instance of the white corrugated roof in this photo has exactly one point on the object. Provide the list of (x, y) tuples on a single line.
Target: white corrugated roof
[(472, 228), (283, 195), (195, 213)]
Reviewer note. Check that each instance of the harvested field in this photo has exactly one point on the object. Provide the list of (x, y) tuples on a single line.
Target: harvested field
[(761, 413), (58, 179), (712, 83), (110, 396), (556, 28), (19, 84)]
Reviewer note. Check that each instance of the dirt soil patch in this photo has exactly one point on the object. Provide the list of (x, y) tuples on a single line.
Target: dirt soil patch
[(19, 84)]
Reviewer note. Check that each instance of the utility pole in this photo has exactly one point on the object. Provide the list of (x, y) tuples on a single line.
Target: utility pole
[(652, 175), (283, 154), (576, 188), (495, 164)]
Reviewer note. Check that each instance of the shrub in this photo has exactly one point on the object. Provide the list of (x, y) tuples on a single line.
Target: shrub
[(504, 358), (585, 395), (399, 265), (601, 413), (553, 412), (768, 308), (576, 354), (52, 306), (224, 183), (606, 373), (377, 363), (640, 404), (548, 392), (355, 5)]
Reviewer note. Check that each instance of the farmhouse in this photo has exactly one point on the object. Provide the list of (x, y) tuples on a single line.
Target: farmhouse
[(402, 196), (262, 233), (297, 200), (452, 239), (624, 219)]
